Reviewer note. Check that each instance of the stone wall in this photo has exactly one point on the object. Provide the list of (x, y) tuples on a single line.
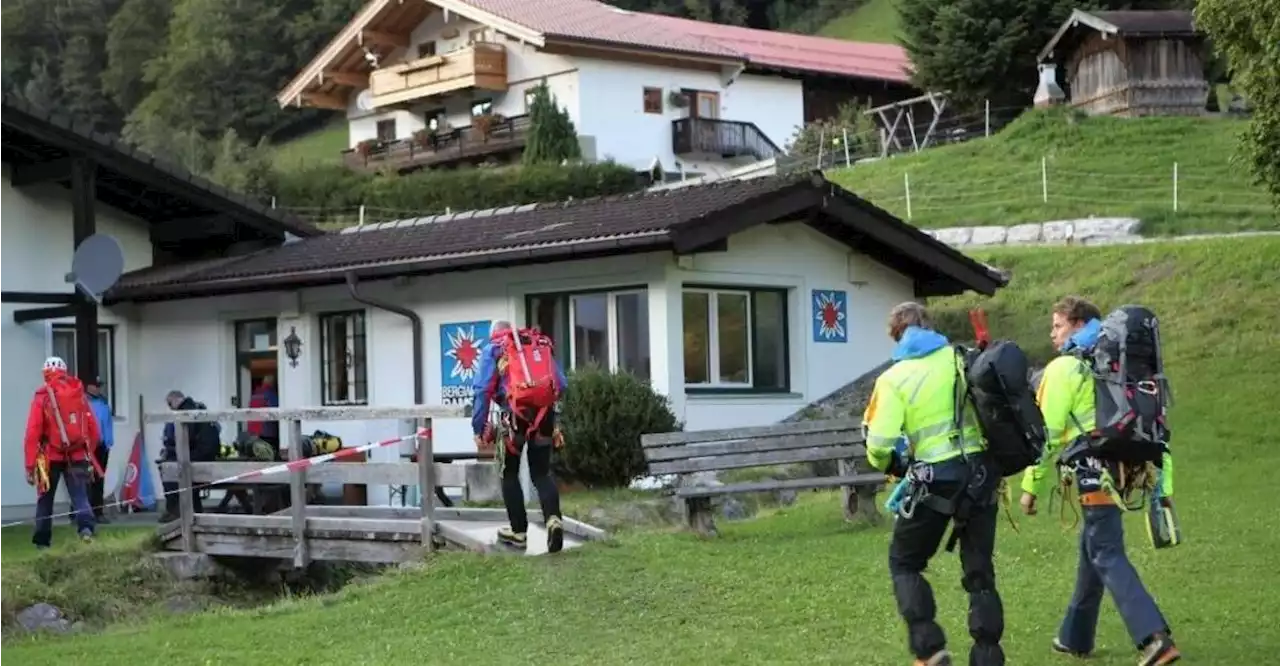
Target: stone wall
[(1090, 231)]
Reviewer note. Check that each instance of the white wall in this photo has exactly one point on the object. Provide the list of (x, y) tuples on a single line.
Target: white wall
[(526, 67), (35, 254), (614, 111)]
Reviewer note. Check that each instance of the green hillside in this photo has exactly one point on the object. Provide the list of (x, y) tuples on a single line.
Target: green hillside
[(802, 587), (320, 146), (873, 21), (1092, 166)]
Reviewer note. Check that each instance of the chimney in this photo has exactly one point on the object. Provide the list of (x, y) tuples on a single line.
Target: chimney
[(1048, 93)]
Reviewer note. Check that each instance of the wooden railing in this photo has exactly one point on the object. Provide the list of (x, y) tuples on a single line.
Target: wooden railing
[(261, 535), (481, 65), (728, 138), (470, 142)]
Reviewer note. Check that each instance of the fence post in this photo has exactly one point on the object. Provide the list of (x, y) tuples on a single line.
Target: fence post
[(273, 202), (1175, 187), (427, 484), (986, 117), (846, 146), (298, 498), (360, 222), (822, 143), (906, 184), (1044, 179), (186, 506)]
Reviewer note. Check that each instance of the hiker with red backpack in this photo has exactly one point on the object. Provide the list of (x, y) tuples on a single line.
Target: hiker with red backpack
[(519, 372), (61, 437)]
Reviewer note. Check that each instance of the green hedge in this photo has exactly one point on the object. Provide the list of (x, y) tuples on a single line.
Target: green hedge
[(336, 189)]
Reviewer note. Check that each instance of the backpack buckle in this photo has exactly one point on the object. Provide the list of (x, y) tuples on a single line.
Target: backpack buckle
[(1148, 387)]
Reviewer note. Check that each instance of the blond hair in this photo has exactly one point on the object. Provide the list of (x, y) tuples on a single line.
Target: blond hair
[(905, 315)]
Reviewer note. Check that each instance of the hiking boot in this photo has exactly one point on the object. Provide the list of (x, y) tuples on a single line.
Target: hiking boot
[(102, 520), (510, 537), (167, 517), (1159, 651), (1060, 648), (939, 658), (86, 536), (555, 534)]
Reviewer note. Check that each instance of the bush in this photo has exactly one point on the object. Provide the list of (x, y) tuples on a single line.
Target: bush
[(603, 417)]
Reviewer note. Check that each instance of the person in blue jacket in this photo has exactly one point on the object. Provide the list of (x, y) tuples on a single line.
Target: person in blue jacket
[(490, 386), (102, 413)]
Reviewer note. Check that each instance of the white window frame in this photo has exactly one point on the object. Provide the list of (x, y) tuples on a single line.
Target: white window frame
[(713, 343), (106, 366), (611, 321), (352, 370)]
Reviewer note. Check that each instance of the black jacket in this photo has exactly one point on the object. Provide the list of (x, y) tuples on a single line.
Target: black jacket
[(204, 438)]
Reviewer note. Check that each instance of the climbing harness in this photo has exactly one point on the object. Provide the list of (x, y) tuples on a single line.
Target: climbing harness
[(911, 490)]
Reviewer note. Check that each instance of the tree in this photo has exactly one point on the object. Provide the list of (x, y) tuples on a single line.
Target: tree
[(552, 136), (1247, 34), (136, 35)]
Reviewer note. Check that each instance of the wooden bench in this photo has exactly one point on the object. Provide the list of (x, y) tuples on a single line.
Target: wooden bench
[(840, 440)]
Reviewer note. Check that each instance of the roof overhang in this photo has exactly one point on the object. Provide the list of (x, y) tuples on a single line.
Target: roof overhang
[(385, 22), (1080, 17)]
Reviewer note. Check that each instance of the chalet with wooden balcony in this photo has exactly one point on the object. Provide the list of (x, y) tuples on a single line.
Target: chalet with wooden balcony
[(439, 83)]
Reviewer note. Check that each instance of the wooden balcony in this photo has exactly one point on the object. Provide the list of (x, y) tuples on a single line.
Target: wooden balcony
[(480, 66), (463, 144)]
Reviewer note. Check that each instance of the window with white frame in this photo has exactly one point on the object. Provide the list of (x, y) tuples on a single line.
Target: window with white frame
[(735, 339), (607, 328), (64, 347), (343, 358)]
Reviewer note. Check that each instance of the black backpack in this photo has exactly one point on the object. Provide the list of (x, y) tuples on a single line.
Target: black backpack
[(1131, 390), (1004, 400)]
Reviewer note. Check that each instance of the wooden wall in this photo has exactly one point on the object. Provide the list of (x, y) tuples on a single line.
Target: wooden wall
[(823, 96), (1137, 77)]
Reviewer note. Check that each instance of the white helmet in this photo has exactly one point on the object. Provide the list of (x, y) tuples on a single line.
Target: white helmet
[(55, 363)]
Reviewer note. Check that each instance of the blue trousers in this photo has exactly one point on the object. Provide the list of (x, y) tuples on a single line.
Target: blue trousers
[(1105, 567), (77, 476)]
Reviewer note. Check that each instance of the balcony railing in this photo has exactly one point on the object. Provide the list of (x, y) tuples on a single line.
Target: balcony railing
[(441, 148), (726, 138), (481, 65)]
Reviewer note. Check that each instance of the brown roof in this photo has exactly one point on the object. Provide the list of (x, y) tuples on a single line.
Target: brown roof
[(1128, 23), (683, 219), (132, 181)]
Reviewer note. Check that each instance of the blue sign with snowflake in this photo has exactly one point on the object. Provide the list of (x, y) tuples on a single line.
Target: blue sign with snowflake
[(461, 345), (830, 316)]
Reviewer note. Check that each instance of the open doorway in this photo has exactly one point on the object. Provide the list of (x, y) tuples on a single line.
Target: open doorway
[(257, 374)]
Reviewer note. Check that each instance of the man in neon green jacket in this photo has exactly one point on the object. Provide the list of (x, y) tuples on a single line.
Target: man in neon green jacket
[(946, 456), (1066, 398)]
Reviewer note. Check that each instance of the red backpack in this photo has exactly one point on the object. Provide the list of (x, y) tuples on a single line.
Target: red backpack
[(69, 409), (527, 355)]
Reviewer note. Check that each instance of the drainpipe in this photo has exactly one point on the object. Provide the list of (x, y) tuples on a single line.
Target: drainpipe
[(419, 382)]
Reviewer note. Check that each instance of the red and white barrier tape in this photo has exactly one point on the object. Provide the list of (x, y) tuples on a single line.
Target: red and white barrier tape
[(266, 471)]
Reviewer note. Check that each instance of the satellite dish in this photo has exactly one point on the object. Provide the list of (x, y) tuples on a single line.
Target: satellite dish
[(96, 266), (364, 101)]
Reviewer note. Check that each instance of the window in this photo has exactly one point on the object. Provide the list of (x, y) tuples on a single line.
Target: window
[(343, 359), (386, 130), (528, 98), (653, 100), (608, 328), (434, 120), (481, 107), (64, 347), (735, 339), (476, 35), (426, 49)]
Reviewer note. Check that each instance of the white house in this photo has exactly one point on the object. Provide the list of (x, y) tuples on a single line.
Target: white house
[(439, 82), (741, 300)]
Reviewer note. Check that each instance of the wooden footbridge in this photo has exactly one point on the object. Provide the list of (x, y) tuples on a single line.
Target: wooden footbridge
[(305, 532)]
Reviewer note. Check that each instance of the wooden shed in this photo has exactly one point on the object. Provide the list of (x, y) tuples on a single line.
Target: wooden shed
[(1131, 63)]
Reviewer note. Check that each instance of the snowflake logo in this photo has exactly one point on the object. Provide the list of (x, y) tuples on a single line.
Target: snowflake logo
[(465, 350), (829, 315)]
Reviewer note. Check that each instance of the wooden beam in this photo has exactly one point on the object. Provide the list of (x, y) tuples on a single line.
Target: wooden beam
[(84, 200), (349, 79), (798, 199), (322, 101), (369, 473), (776, 430), (34, 297), (58, 170), (298, 498), (40, 314), (426, 479), (381, 38), (351, 413), (186, 507)]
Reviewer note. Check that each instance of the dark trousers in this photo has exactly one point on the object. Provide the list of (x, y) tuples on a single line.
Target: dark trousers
[(915, 541), (97, 487), (77, 476), (1104, 566), (538, 446)]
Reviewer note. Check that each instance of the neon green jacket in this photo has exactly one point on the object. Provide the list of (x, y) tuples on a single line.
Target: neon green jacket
[(1066, 389), (916, 397)]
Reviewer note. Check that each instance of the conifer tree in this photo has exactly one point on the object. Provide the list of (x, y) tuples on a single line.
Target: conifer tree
[(552, 136)]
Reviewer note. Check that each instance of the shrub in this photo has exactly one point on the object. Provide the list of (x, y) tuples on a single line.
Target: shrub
[(603, 417)]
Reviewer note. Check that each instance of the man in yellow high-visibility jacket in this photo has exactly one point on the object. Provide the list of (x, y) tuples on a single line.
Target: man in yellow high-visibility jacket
[(946, 461), (1066, 397)]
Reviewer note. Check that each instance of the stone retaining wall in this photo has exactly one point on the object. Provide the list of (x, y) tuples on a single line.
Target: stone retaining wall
[(1091, 231)]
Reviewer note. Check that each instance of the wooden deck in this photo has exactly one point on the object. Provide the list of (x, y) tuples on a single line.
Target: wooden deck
[(303, 533)]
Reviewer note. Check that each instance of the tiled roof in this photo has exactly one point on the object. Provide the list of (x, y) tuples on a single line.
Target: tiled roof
[(598, 22), (652, 220)]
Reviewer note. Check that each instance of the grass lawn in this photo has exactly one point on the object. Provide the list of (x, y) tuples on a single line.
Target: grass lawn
[(798, 585), (322, 146), (873, 21), (1093, 166)]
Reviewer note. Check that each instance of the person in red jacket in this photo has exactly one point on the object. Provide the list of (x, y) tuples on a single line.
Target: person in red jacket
[(61, 435)]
